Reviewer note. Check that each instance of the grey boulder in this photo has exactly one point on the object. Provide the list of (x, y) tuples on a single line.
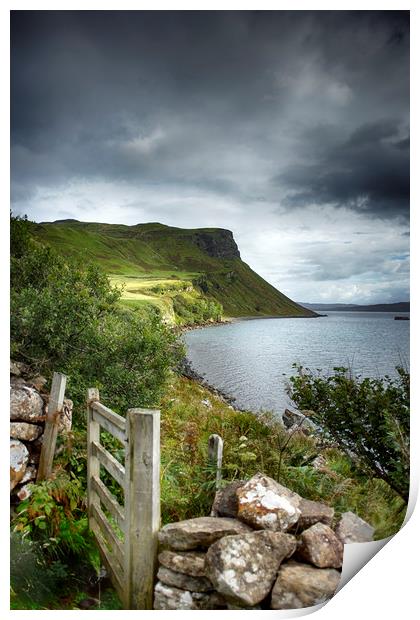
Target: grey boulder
[(185, 582), (225, 502), (25, 431), (187, 562), (199, 532), (321, 547), (263, 503), (353, 529), (170, 597), (296, 420), (301, 585), (314, 512), (243, 568)]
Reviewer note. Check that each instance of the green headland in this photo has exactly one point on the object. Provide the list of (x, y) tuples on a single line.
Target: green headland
[(191, 275)]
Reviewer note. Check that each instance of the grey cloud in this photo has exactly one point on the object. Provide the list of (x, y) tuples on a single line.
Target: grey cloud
[(368, 171)]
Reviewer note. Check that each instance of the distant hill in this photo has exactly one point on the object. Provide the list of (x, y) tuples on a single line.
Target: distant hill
[(171, 267), (402, 306)]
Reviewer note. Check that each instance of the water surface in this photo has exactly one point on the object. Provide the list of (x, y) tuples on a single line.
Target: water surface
[(250, 360)]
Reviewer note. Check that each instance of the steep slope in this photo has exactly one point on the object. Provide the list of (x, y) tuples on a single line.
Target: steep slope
[(171, 266)]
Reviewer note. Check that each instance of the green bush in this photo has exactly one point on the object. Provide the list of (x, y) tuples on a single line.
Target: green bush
[(369, 418), (195, 310), (65, 317)]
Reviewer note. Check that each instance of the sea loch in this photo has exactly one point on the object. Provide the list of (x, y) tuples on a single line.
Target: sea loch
[(251, 360)]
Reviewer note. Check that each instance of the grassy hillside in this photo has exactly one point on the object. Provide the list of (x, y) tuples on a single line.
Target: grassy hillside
[(186, 273)]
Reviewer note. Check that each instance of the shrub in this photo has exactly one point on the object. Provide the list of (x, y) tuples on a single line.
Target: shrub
[(368, 418), (54, 516), (65, 316), (192, 310)]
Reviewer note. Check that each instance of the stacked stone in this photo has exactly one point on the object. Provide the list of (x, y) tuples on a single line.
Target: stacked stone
[(265, 547), (28, 403)]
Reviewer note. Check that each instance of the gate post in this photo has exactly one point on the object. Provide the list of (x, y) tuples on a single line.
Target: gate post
[(55, 405), (142, 505), (215, 455)]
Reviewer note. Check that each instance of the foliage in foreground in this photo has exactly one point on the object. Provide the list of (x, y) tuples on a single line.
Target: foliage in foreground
[(65, 317), (189, 415), (39, 583), (52, 549), (252, 443), (34, 580), (369, 418), (55, 517)]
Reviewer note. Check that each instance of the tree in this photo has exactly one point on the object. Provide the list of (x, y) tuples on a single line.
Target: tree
[(367, 417)]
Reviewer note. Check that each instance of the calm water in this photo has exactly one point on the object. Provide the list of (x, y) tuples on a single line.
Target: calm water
[(250, 360)]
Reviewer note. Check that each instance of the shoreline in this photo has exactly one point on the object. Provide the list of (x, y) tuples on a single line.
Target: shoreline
[(189, 328), (238, 319), (186, 370)]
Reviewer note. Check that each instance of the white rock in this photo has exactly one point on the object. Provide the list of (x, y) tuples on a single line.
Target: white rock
[(263, 503), (243, 568), (26, 405), (25, 431), (19, 456)]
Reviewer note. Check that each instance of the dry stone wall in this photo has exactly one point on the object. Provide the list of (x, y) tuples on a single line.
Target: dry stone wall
[(28, 408), (264, 547)]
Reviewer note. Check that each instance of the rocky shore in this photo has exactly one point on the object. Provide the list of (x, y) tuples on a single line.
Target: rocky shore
[(190, 328), (186, 370)]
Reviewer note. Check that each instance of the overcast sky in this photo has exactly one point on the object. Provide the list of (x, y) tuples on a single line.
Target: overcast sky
[(289, 128)]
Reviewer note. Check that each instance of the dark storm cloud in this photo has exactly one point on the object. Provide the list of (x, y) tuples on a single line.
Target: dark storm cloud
[(220, 118), (368, 171), (84, 82)]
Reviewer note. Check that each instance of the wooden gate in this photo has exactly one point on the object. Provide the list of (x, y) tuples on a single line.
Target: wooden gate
[(126, 534)]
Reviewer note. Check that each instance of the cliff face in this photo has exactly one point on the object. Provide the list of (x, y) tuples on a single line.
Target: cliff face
[(217, 244)]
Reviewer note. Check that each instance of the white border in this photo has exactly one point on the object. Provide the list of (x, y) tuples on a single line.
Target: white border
[(387, 586)]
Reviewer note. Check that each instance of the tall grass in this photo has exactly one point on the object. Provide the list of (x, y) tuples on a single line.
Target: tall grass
[(252, 443)]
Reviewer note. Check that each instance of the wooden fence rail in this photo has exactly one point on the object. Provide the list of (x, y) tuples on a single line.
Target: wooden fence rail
[(127, 538)]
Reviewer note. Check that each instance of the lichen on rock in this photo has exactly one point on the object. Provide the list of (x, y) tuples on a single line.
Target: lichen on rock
[(321, 547), (243, 567), (19, 456), (263, 503)]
